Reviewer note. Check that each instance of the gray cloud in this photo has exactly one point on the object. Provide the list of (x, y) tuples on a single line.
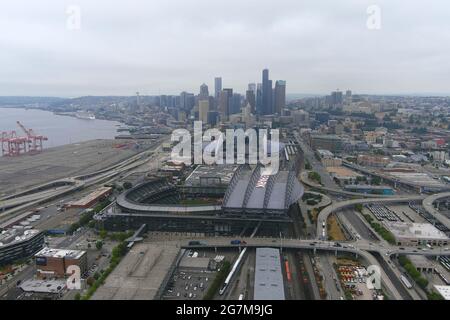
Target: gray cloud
[(168, 46)]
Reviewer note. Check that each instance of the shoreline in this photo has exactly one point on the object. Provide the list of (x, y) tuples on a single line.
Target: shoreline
[(60, 133)]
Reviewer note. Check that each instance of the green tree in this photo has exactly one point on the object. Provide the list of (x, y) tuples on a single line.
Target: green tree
[(99, 245), (103, 233), (127, 185)]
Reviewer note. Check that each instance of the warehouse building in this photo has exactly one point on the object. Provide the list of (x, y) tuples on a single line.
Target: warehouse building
[(332, 143), (344, 175), (268, 275), (92, 198), (421, 263), (412, 234), (53, 263), (369, 189)]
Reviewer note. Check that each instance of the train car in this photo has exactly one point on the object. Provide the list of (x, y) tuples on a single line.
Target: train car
[(406, 282)]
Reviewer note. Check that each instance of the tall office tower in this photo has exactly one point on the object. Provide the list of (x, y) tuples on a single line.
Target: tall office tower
[(336, 98), (204, 92), (183, 100), (217, 87), (280, 96), (259, 108), (187, 101), (266, 92), (212, 103), (348, 97), (251, 99), (170, 101), (236, 103), (252, 87), (163, 101), (203, 108), (225, 103), (271, 97)]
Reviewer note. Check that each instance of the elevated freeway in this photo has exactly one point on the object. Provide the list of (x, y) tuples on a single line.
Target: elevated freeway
[(325, 213), (363, 250), (337, 191), (428, 204)]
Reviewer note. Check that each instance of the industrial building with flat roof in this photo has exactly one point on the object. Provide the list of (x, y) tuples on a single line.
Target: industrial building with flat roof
[(92, 198), (344, 175), (369, 189), (332, 143), (269, 283), (416, 233), (53, 263)]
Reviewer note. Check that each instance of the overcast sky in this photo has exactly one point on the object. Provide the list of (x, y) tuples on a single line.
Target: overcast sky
[(168, 46)]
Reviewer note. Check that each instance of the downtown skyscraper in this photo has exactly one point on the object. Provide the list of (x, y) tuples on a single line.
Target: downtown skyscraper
[(280, 96), (217, 87), (267, 94)]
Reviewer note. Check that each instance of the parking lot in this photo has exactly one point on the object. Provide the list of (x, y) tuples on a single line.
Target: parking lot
[(189, 285), (195, 273), (353, 279)]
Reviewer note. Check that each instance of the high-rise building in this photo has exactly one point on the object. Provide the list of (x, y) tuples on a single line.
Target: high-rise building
[(203, 109), (187, 101), (259, 107), (217, 87), (225, 98), (204, 92), (250, 98), (236, 103), (280, 96), (252, 87), (271, 97), (336, 98), (266, 92), (348, 97)]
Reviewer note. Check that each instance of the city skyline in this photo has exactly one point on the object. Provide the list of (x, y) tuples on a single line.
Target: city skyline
[(154, 49)]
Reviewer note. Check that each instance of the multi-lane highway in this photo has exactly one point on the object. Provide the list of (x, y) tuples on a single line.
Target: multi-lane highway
[(325, 213), (362, 249), (428, 206)]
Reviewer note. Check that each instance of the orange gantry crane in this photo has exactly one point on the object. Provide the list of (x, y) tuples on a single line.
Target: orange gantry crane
[(12, 145), (35, 144)]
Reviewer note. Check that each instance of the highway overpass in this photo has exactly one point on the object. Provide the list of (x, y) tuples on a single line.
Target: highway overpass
[(325, 213), (428, 202)]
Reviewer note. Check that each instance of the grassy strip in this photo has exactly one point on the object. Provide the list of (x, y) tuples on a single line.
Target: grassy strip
[(417, 277), (382, 231), (315, 177), (412, 271), (117, 254), (218, 280)]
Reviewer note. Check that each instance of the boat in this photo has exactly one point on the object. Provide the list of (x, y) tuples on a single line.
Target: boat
[(85, 115)]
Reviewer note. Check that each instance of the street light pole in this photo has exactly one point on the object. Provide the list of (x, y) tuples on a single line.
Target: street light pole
[(281, 244)]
